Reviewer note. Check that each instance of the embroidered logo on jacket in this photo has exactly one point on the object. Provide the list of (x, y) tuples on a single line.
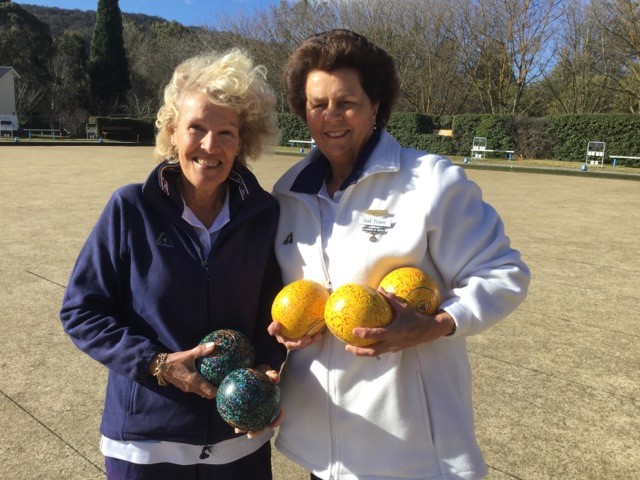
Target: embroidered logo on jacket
[(164, 241), (289, 239)]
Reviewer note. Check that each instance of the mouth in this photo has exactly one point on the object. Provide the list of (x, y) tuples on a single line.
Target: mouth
[(337, 134), (207, 162)]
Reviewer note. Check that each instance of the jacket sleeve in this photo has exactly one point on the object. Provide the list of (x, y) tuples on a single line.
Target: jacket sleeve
[(94, 308), (485, 278)]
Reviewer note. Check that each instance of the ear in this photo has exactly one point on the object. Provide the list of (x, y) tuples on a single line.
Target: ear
[(172, 136), (375, 111)]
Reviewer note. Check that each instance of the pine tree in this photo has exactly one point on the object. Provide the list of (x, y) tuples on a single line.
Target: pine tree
[(108, 66)]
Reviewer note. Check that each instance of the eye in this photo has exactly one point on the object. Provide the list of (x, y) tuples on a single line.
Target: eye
[(228, 133)]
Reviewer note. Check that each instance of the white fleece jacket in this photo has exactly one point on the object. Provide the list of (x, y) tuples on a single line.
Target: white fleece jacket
[(409, 414)]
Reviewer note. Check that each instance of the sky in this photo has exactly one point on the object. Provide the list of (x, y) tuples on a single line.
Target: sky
[(186, 12)]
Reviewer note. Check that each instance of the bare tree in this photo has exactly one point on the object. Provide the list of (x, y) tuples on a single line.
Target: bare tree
[(578, 83), (620, 19), (508, 45), (28, 97), (484, 58), (418, 35), (62, 90), (271, 35)]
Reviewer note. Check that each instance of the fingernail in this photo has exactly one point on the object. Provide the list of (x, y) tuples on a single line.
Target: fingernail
[(209, 344)]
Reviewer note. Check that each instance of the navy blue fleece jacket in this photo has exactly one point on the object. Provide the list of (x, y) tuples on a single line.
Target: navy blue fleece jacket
[(141, 286)]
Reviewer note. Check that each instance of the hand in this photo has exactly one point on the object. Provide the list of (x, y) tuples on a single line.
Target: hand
[(274, 376), (180, 371), (408, 329), (275, 329)]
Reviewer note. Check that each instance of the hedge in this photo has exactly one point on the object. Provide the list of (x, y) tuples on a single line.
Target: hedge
[(292, 128), (126, 129), (559, 137), (570, 135)]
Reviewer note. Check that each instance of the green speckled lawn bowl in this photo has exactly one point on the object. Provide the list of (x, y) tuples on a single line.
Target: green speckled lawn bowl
[(248, 400), (233, 350)]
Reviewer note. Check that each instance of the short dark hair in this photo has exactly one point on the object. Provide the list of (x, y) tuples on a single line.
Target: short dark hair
[(336, 49)]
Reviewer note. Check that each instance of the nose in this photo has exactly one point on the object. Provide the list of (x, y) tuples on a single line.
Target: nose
[(209, 142), (332, 112)]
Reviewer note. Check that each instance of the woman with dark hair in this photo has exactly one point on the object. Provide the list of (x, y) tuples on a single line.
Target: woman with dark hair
[(400, 407)]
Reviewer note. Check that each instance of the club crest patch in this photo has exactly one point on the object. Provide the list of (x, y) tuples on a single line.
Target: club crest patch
[(164, 241)]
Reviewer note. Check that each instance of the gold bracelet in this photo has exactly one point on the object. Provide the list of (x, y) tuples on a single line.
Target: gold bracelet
[(159, 371)]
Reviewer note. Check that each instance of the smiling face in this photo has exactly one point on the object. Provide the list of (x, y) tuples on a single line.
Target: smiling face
[(339, 113), (207, 137)]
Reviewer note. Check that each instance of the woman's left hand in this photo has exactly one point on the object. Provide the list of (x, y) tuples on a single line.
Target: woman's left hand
[(180, 371), (274, 376), (408, 329)]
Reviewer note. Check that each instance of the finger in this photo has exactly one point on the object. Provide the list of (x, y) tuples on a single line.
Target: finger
[(387, 295), (206, 390), (297, 343), (205, 349), (375, 334), (274, 328), (363, 352), (317, 336), (273, 375), (395, 302)]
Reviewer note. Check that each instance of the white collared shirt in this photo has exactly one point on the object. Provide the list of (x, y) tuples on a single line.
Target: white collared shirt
[(208, 236)]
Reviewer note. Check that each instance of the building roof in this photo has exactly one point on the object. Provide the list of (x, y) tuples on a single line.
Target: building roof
[(5, 70)]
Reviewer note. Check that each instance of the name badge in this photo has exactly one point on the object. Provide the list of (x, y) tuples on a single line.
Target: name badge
[(375, 222)]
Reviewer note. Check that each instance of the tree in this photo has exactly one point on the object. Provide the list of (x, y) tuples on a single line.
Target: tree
[(271, 35), (69, 87), (509, 47), (578, 83), (620, 19), (425, 51), (108, 66), (26, 45)]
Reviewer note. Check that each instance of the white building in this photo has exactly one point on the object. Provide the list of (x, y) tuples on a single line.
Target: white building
[(8, 117)]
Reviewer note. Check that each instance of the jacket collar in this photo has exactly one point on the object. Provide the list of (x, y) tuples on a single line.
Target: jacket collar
[(311, 178)]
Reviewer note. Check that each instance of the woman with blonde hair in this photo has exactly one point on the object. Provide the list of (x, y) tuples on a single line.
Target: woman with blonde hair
[(169, 261)]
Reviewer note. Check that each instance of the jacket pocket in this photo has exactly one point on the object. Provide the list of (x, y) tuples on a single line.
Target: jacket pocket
[(389, 414), (165, 413)]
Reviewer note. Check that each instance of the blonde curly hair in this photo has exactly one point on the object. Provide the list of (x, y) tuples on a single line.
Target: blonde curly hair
[(228, 80)]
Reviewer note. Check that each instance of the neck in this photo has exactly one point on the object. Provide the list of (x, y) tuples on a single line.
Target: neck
[(336, 176), (205, 205)]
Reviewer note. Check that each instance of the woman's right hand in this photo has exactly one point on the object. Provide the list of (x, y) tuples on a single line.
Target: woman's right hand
[(180, 371), (275, 329)]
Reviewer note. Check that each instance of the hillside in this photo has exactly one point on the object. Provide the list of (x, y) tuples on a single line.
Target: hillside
[(81, 21)]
